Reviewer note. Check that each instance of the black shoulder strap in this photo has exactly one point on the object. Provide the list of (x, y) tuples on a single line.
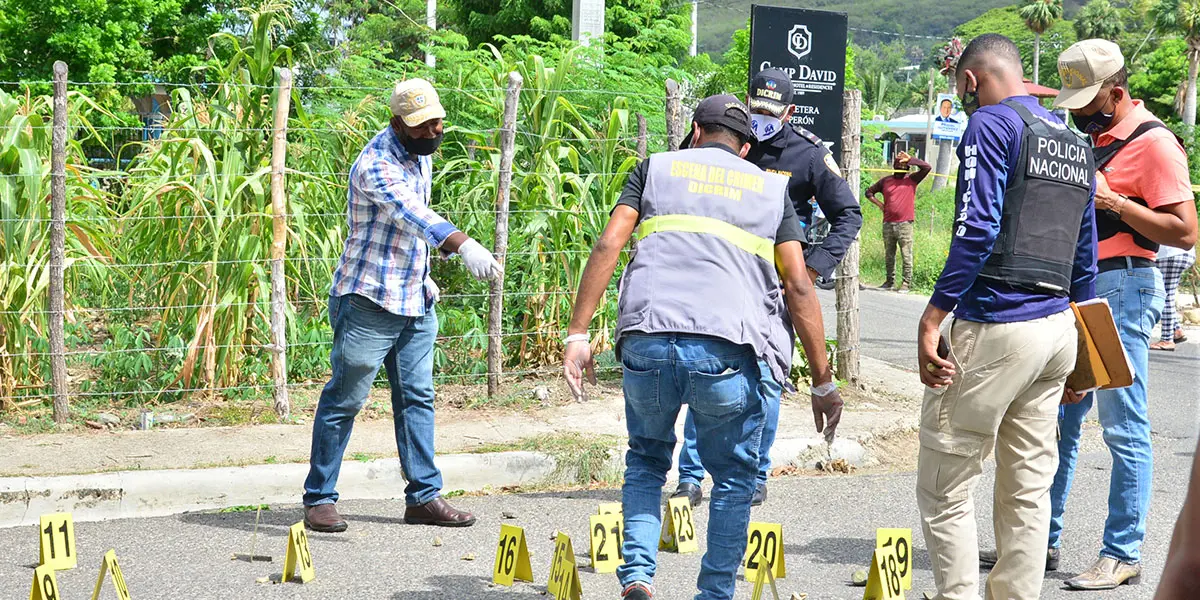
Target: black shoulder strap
[(1105, 154), (808, 135), (1025, 114)]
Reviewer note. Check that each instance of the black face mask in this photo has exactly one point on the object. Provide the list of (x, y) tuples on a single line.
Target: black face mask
[(970, 102), (421, 146), (1094, 123)]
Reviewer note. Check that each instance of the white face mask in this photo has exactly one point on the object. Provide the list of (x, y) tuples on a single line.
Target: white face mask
[(765, 127)]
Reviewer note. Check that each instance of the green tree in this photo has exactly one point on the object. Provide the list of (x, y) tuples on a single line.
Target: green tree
[(1040, 15), (1183, 17), (654, 28), (1158, 75), (1006, 21), (1099, 19)]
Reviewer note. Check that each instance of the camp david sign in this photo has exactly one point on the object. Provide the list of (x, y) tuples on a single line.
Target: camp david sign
[(810, 46), (799, 41)]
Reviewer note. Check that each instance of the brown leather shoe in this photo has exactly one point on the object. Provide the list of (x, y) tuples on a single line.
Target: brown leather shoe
[(1106, 574), (324, 518), (438, 512)]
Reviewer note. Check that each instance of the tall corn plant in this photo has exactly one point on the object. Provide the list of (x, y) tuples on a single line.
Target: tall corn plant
[(25, 135), (202, 206), (568, 171)]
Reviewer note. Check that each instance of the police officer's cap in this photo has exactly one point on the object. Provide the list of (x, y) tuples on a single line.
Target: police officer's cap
[(771, 90), (726, 110)]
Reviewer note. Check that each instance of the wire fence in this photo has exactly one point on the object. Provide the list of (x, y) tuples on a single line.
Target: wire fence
[(177, 284)]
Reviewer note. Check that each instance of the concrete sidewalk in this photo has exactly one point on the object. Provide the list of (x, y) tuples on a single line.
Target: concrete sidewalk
[(101, 475)]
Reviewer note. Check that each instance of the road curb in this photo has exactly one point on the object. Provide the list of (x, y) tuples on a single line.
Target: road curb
[(126, 494)]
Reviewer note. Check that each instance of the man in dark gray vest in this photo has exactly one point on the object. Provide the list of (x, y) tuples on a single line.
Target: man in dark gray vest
[(696, 306)]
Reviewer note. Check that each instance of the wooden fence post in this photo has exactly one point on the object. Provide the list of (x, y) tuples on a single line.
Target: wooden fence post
[(508, 134), (58, 226), (674, 116), (641, 139), (847, 273), (279, 245)]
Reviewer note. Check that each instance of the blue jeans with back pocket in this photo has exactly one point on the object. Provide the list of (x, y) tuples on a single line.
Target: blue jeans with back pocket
[(719, 381), (1136, 297)]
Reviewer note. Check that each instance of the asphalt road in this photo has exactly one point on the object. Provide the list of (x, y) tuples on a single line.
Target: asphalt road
[(828, 526), (888, 325), (828, 523)]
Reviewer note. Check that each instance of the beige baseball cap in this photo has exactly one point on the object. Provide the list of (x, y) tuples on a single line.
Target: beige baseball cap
[(415, 102), (1084, 67)]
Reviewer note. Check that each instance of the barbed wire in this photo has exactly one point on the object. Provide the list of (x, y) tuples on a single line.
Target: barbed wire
[(212, 87), (549, 370)]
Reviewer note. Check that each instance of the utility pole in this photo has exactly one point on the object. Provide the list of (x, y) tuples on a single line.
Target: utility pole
[(695, 24), (431, 23), (587, 21), (929, 118)]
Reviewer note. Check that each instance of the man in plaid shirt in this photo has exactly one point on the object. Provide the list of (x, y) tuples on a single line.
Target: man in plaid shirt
[(381, 308)]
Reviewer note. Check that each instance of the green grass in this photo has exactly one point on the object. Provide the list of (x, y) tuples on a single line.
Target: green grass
[(931, 240), (244, 508), (582, 458)]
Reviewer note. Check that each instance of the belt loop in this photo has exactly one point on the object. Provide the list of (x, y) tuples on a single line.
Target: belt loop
[(1128, 262)]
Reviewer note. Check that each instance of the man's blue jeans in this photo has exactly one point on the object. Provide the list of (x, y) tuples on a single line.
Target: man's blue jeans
[(719, 381), (364, 337), (1136, 297), (690, 469)]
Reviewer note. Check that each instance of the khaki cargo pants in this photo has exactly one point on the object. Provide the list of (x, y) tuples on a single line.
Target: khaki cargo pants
[(898, 235), (1005, 395)]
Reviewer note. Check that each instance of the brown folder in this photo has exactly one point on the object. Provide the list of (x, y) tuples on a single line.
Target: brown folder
[(1101, 362)]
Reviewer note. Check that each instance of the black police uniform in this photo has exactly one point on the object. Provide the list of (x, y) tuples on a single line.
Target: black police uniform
[(812, 172), (799, 154)]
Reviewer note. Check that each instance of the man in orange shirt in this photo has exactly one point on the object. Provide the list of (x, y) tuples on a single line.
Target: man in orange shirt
[(1143, 199)]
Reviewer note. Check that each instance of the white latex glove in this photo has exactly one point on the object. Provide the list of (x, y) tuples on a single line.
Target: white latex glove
[(480, 263)]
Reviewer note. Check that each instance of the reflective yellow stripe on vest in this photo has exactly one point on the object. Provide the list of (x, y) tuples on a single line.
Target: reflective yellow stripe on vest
[(758, 246)]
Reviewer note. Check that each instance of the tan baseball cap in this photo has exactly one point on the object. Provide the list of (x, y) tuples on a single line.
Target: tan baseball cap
[(415, 102), (1084, 67)]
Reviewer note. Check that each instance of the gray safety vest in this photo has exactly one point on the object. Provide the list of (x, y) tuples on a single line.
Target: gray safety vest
[(1044, 203), (704, 262)]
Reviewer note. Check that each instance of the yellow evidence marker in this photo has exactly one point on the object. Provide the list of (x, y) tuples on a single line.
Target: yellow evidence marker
[(901, 540), (608, 534), (297, 560), (764, 544), (678, 529), (57, 534), (764, 576), (611, 508), (512, 557), (564, 574), (883, 582), (45, 584), (109, 566)]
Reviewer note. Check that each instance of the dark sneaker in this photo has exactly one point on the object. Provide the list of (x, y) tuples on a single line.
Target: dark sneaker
[(987, 558), (690, 491), (760, 495), (638, 591), (1107, 574), (438, 512), (324, 518), (887, 286)]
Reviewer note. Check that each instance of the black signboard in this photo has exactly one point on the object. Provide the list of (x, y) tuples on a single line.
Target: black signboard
[(809, 45)]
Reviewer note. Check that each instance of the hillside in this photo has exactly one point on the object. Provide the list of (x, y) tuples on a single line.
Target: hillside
[(938, 18)]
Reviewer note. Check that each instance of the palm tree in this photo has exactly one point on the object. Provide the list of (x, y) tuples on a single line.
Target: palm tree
[(1098, 19), (1040, 15), (1183, 17)]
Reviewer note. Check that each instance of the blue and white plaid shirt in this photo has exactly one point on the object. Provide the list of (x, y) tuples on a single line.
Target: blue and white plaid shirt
[(391, 229)]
